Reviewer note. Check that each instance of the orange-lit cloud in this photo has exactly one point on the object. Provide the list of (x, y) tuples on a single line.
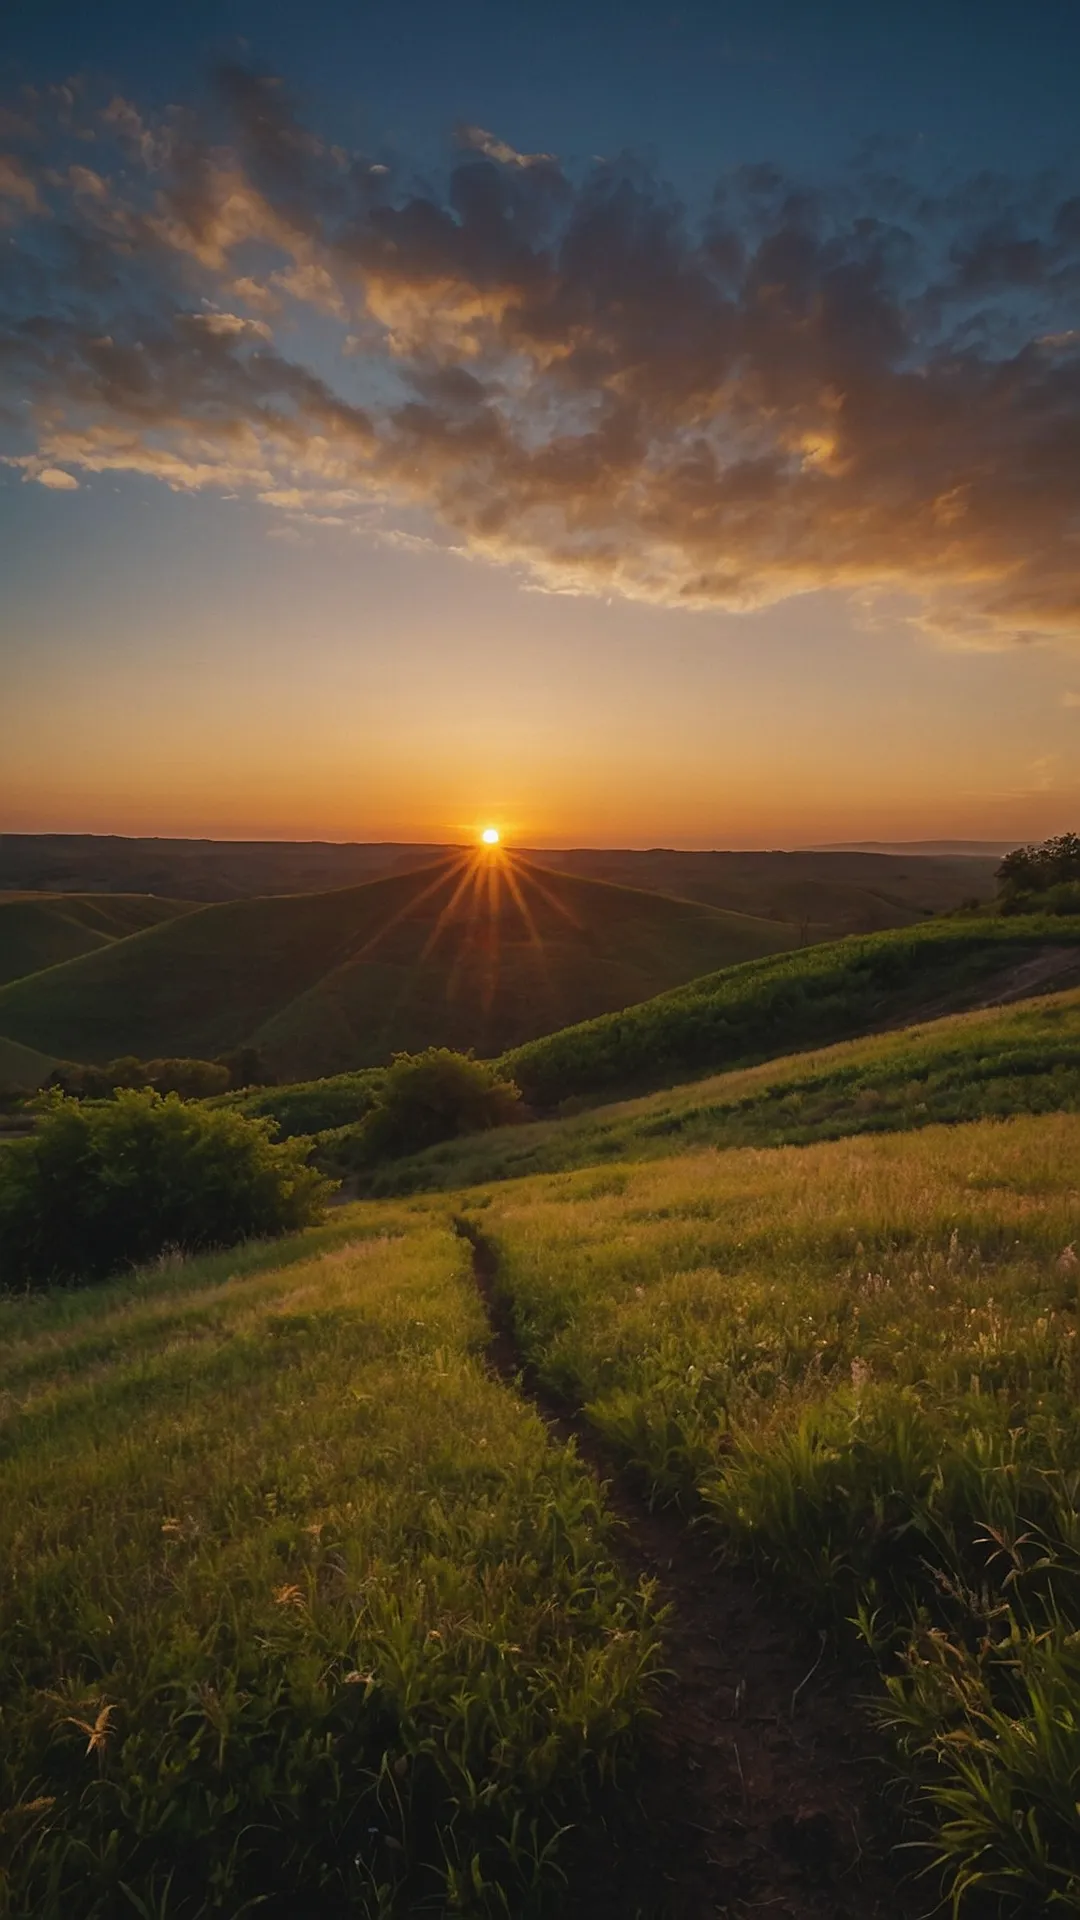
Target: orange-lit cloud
[(871, 391)]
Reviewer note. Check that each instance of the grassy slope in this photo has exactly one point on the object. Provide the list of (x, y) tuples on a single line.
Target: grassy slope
[(995, 1062), (797, 999), (44, 929), (324, 982), (860, 1361), (300, 1605)]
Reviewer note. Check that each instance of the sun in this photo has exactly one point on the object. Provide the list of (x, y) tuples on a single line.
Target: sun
[(490, 836)]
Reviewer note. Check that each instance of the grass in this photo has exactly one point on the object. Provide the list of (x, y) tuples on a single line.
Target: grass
[(470, 953), (991, 1063), (44, 929), (302, 1609), (772, 1006), (858, 1361)]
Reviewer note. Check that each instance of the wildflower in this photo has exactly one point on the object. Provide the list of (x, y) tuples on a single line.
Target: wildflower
[(97, 1732), (289, 1596)]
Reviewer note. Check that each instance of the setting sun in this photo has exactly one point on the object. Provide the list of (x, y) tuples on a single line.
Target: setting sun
[(490, 836)]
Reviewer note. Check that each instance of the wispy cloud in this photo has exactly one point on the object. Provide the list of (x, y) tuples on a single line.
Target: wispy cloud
[(875, 389)]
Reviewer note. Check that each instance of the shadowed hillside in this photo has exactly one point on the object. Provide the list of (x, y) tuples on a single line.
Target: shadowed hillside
[(478, 951), (823, 893), (44, 929)]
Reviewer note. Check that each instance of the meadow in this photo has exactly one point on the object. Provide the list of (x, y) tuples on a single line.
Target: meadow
[(300, 1603), (856, 1363), (376, 1569)]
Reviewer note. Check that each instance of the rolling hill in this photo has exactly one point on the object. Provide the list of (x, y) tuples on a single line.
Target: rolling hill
[(822, 892), (44, 929), (995, 1062), (475, 951)]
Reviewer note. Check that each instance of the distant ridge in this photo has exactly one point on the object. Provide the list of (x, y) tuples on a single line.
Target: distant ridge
[(944, 849)]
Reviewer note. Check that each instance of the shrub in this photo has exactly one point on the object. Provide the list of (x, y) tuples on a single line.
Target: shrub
[(432, 1096), (96, 1189)]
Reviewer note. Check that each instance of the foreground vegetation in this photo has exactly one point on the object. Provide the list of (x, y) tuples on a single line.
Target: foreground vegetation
[(302, 1611), (859, 1361)]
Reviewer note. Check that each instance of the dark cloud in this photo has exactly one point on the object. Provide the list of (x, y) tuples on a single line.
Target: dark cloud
[(873, 387)]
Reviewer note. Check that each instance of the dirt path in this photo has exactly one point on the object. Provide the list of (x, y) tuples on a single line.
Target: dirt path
[(762, 1784)]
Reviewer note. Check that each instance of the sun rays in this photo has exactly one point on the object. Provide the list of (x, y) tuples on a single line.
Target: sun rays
[(491, 899)]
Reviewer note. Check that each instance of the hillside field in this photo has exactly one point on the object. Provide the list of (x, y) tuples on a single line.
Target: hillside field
[(799, 999), (992, 1063), (475, 952), (307, 1601)]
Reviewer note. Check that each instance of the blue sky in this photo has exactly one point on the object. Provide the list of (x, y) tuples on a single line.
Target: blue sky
[(194, 654)]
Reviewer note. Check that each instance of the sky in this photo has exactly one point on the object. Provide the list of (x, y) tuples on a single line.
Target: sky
[(625, 427)]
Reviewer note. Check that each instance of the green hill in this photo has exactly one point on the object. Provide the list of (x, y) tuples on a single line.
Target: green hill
[(799, 999), (473, 952), (44, 929), (992, 1063)]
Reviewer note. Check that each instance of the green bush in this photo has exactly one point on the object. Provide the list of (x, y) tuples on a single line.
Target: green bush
[(96, 1189), (432, 1096)]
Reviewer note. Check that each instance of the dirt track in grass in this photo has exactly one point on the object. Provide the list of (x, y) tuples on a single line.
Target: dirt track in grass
[(762, 1786)]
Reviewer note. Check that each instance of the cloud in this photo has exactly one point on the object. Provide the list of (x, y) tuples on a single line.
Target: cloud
[(874, 388), (480, 141), (17, 185), (56, 479)]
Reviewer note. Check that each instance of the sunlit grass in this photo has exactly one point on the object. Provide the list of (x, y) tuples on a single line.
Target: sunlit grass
[(301, 1608), (859, 1362)]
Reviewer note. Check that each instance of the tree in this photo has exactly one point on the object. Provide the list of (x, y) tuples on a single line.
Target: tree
[(1034, 869)]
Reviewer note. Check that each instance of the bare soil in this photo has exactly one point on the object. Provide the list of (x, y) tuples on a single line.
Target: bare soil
[(762, 1789)]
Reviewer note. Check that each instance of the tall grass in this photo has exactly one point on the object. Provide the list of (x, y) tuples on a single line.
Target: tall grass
[(302, 1610), (859, 1362)]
